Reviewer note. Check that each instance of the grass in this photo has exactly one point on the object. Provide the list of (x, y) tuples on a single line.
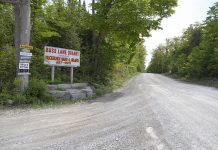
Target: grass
[(41, 104)]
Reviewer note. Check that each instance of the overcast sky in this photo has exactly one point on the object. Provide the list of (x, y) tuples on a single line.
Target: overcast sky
[(188, 12)]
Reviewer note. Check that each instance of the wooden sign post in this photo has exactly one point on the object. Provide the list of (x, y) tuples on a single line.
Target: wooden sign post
[(71, 75), (52, 73)]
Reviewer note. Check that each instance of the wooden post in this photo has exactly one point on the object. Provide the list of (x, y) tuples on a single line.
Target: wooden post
[(71, 75), (22, 35), (52, 73)]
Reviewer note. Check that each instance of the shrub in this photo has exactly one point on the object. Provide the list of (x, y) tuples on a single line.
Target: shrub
[(49, 98), (5, 97), (100, 90), (7, 68), (19, 99), (37, 88), (17, 82)]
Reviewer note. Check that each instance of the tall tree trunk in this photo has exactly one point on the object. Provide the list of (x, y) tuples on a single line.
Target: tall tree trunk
[(93, 11), (22, 33), (22, 36), (94, 63)]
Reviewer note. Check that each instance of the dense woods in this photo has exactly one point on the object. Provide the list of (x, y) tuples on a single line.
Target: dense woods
[(194, 54), (110, 38)]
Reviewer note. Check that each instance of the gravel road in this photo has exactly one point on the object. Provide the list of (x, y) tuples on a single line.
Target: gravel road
[(149, 112)]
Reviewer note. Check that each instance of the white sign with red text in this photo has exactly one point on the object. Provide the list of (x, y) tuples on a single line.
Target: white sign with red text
[(55, 56)]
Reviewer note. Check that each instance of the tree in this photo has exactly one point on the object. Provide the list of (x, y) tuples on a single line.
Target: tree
[(195, 53), (111, 45), (175, 53), (138, 17), (6, 25), (125, 22), (22, 33), (210, 40)]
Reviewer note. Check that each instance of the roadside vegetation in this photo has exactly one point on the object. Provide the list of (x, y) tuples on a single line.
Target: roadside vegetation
[(194, 55), (110, 38)]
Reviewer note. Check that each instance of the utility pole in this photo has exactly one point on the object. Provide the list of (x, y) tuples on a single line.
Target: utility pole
[(22, 35)]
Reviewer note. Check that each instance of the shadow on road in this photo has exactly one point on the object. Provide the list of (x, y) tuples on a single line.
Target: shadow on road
[(108, 97)]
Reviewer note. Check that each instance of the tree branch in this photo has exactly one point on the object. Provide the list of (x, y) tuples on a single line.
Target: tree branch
[(10, 1)]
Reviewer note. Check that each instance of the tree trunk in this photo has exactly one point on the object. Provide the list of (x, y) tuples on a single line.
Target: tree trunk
[(22, 36), (93, 11)]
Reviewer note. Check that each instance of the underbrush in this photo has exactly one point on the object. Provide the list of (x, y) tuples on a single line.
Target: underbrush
[(211, 82), (119, 76), (36, 94)]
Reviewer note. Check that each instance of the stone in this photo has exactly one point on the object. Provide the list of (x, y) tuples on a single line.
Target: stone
[(67, 86), (88, 91), (61, 94), (75, 96), (10, 102), (52, 87), (64, 86), (79, 85), (71, 91)]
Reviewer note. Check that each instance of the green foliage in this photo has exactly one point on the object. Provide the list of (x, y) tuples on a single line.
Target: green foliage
[(37, 88), (38, 69), (17, 82), (37, 93), (102, 90), (5, 96), (19, 99), (114, 40), (7, 68), (6, 25), (138, 17), (111, 46), (65, 22), (194, 55)]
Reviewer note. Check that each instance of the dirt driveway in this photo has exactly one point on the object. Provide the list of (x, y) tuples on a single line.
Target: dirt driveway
[(150, 112)]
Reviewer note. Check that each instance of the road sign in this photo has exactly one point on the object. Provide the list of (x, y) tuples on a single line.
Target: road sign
[(26, 54), (26, 47), (25, 57), (23, 70), (24, 66), (55, 56), (25, 61), (23, 73)]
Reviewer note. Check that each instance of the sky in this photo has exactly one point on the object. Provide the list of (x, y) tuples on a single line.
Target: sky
[(186, 13)]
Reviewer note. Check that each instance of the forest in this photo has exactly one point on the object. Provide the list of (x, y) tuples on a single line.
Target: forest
[(109, 36), (194, 55)]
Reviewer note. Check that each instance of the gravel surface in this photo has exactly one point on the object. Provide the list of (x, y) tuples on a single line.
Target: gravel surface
[(150, 112)]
